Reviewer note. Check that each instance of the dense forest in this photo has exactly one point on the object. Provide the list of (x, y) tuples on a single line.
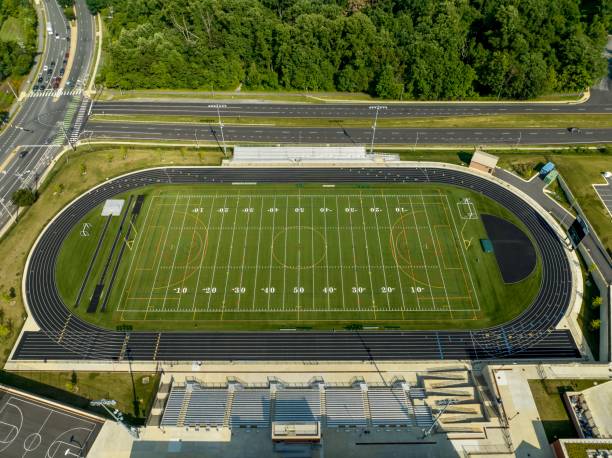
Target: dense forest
[(410, 49), (17, 37)]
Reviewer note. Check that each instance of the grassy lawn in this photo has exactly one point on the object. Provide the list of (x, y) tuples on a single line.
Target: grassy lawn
[(548, 398), (134, 393), (580, 450), (304, 97), (298, 255), (505, 121), (66, 182)]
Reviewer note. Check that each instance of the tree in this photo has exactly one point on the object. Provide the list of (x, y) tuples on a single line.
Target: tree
[(596, 302), (595, 324), (388, 86), (24, 197)]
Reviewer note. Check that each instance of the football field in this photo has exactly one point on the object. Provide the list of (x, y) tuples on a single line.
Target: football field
[(302, 255)]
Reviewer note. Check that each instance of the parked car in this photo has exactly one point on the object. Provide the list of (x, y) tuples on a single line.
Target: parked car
[(23, 153)]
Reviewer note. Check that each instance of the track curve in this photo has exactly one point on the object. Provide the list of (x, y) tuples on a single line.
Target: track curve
[(65, 336)]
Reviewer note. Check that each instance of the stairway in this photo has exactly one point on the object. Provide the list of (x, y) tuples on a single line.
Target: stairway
[(366, 404), (228, 407), (185, 405)]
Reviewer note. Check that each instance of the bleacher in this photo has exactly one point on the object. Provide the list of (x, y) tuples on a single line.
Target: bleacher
[(173, 406), (206, 407), (296, 154), (297, 404), (194, 405), (251, 407), (390, 407), (344, 407)]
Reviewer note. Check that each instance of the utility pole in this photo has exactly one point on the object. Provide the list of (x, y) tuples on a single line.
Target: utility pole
[(118, 416), (377, 108), (67, 139), (218, 106)]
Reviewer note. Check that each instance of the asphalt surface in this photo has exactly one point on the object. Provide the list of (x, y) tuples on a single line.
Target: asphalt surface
[(339, 135), (33, 428), (599, 102), (65, 336), (36, 126)]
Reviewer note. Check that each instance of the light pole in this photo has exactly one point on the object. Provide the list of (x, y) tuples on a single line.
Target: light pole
[(195, 134), (446, 403), (118, 416), (377, 108), (218, 106), (416, 141), (519, 139)]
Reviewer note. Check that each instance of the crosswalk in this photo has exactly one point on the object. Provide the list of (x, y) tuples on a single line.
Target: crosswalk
[(54, 92), (81, 117)]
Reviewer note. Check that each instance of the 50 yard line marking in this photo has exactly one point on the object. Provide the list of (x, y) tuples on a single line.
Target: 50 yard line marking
[(229, 258), (312, 216), (212, 278), (160, 257), (178, 245), (195, 295), (299, 254)]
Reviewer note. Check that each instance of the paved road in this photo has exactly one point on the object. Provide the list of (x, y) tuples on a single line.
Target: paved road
[(324, 135), (600, 102), (45, 117)]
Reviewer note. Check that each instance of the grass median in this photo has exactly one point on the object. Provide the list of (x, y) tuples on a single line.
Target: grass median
[(489, 121)]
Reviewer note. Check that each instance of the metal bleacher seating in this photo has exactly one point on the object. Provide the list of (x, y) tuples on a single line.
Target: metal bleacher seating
[(251, 407), (423, 416), (297, 404), (390, 407), (173, 406), (206, 407), (344, 407), (417, 393)]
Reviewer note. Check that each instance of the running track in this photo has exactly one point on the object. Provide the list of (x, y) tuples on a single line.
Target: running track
[(64, 336)]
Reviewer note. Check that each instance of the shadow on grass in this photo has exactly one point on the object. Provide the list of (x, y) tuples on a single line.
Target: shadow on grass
[(64, 397)]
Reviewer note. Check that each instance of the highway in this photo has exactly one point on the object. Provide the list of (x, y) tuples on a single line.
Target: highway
[(339, 135), (600, 102), (46, 117)]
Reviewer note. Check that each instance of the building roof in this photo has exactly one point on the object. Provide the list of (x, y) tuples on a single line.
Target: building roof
[(599, 400), (485, 159)]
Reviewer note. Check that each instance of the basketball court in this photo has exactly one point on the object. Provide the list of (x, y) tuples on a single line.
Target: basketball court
[(34, 428)]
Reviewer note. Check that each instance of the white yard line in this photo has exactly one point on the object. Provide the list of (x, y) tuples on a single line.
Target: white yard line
[(271, 251), (312, 245), (212, 278), (160, 257), (229, 258), (397, 268), (178, 245), (244, 249), (365, 237), (326, 256), (340, 253), (299, 253), (463, 251), (354, 257), (433, 241), (197, 288), (433, 303), (382, 259), (194, 229), (134, 253), (261, 212), (285, 255)]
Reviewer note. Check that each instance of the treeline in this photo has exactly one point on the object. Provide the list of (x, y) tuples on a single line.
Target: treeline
[(411, 49), (18, 23)]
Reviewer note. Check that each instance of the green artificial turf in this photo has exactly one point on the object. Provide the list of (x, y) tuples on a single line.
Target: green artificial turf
[(296, 256)]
